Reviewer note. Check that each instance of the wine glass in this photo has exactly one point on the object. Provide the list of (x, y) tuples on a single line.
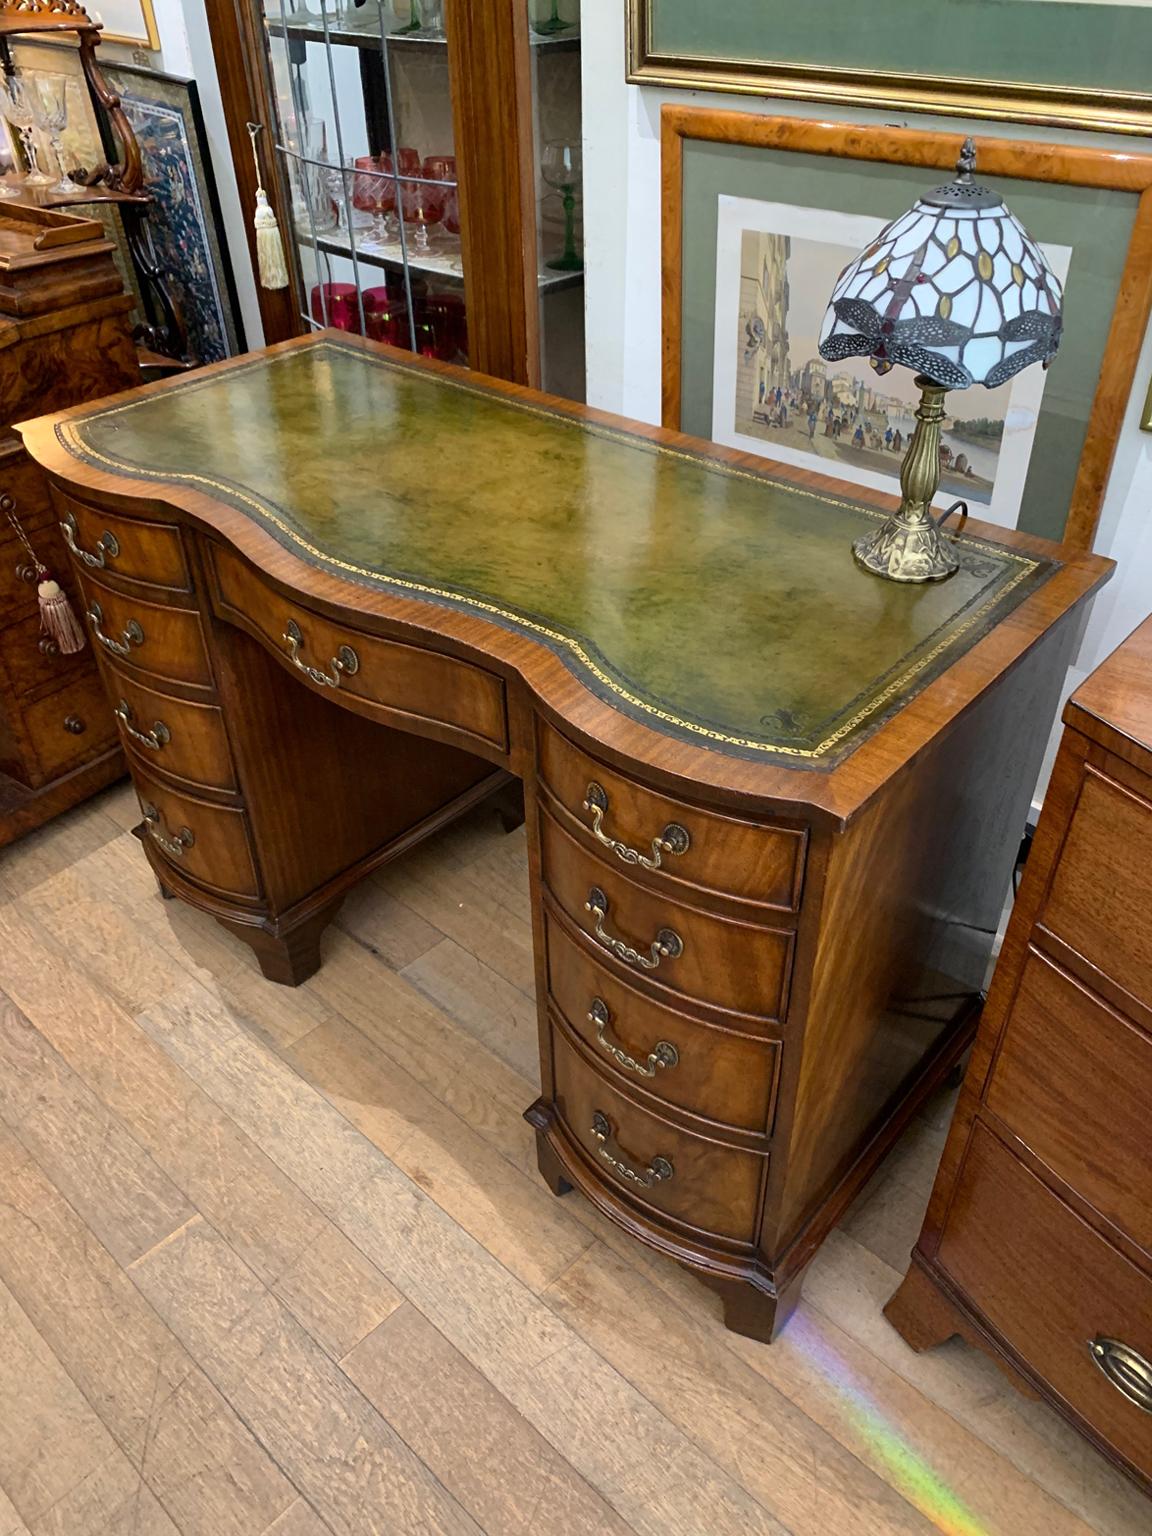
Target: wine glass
[(16, 104), (560, 167), (50, 112), (374, 193), (8, 186), (421, 204), (431, 18), (554, 24)]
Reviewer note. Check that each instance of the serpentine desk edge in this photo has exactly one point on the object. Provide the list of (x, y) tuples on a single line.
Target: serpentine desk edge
[(671, 688)]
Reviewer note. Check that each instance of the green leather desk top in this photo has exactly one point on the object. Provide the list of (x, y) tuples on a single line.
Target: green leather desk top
[(711, 603)]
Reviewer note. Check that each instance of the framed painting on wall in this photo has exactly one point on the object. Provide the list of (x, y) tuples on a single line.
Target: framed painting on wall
[(760, 214), (128, 21), (164, 112), (1080, 63)]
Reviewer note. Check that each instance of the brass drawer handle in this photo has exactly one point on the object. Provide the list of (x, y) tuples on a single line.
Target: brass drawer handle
[(345, 663), (662, 1054), (156, 739), (177, 846), (657, 1172), (665, 946), (673, 840), (107, 545), (133, 634), (75, 725), (1128, 1371)]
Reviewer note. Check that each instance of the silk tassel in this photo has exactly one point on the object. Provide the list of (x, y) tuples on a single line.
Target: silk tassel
[(57, 619), (269, 245)]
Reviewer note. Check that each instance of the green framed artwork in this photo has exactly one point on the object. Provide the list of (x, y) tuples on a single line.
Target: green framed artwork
[(1081, 63), (795, 199)]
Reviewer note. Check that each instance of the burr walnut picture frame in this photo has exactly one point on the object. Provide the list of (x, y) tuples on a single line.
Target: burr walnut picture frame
[(1095, 202)]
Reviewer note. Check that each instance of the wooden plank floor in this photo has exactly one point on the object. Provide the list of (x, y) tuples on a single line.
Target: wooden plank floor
[(278, 1263)]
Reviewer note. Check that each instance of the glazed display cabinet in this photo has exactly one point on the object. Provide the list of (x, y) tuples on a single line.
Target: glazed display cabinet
[(424, 161)]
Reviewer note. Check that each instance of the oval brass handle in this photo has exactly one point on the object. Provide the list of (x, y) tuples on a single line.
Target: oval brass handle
[(658, 1171), (673, 840), (665, 946), (156, 739), (133, 634), (107, 545), (662, 1054), (177, 846), (345, 663), (1127, 1370)]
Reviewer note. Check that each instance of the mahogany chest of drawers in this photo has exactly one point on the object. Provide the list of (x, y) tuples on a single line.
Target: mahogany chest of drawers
[(1037, 1244), (64, 338), (772, 803)]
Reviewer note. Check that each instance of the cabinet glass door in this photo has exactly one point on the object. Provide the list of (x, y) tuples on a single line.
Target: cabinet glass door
[(365, 135)]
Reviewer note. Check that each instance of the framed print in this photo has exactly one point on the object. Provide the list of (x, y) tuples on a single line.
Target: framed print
[(128, 21), (779, 205), (164, 112), (1080, 63)]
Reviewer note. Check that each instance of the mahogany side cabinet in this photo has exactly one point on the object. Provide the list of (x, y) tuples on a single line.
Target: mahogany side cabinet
[(1037, 1245), (773, 803)]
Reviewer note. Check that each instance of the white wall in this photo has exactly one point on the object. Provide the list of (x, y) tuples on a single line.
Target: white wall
[(622, 260)]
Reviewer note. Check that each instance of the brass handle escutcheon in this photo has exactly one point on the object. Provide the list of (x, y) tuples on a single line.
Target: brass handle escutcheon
[(665, 946), (1127, 1370), (155, 739), (133, 634), (673, 840), (177, 846), (107, 545), (345, 663), (662, 1054), (657, 1172)]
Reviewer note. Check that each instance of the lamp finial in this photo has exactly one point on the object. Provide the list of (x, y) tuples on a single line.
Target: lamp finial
[(967, 161)]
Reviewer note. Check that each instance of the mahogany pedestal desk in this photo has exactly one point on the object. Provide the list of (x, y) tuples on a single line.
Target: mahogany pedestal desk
[(1037, 1244), (773, 802)]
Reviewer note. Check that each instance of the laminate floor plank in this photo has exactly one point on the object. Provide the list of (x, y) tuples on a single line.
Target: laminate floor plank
[(352, 1467), (653, 1475), (190, 1448), (323, 1279), (500, 1015), (31, 860), (300, 1520), (10, 1521), (123, 1196), (385, 926), (487, 1454)]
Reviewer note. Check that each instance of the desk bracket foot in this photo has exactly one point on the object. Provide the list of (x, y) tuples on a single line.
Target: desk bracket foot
[(291, 955)]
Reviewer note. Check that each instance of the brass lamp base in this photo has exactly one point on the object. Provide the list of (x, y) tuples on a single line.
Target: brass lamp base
[(904, 550), (909, 546)]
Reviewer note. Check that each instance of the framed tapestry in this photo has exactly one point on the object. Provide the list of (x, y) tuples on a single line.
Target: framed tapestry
[(1079, 63), (760, 214), (164, 111)]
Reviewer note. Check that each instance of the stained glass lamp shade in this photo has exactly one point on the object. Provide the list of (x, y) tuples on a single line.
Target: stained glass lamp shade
[(957, 290)]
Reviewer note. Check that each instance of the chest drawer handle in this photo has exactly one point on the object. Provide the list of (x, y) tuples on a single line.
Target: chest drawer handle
[(1128, 1371), (345, 663), (177, 846), (658, 1171), (107, 545), (133, 634), (662, 1054), (156, 739), (665, 946), (673, 840)]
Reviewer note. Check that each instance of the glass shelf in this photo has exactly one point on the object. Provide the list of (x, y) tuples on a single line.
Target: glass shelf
[(433, 263), (368, 36)]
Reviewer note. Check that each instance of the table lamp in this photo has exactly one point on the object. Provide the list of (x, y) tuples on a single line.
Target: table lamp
[(956, 289)]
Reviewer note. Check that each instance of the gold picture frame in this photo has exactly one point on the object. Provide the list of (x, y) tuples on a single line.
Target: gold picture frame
[(1082, 107), (119, 11)]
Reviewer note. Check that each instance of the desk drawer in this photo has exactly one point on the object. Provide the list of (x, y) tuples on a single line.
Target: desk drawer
[(1051, 1286), (136, 552), (208, 843), (1101, 893), (70, 725), (715, 1074), (1073, 1079), (701, 1183), (408, 683), (713, 960), (131, 632), (180, 738), (623, 820)]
